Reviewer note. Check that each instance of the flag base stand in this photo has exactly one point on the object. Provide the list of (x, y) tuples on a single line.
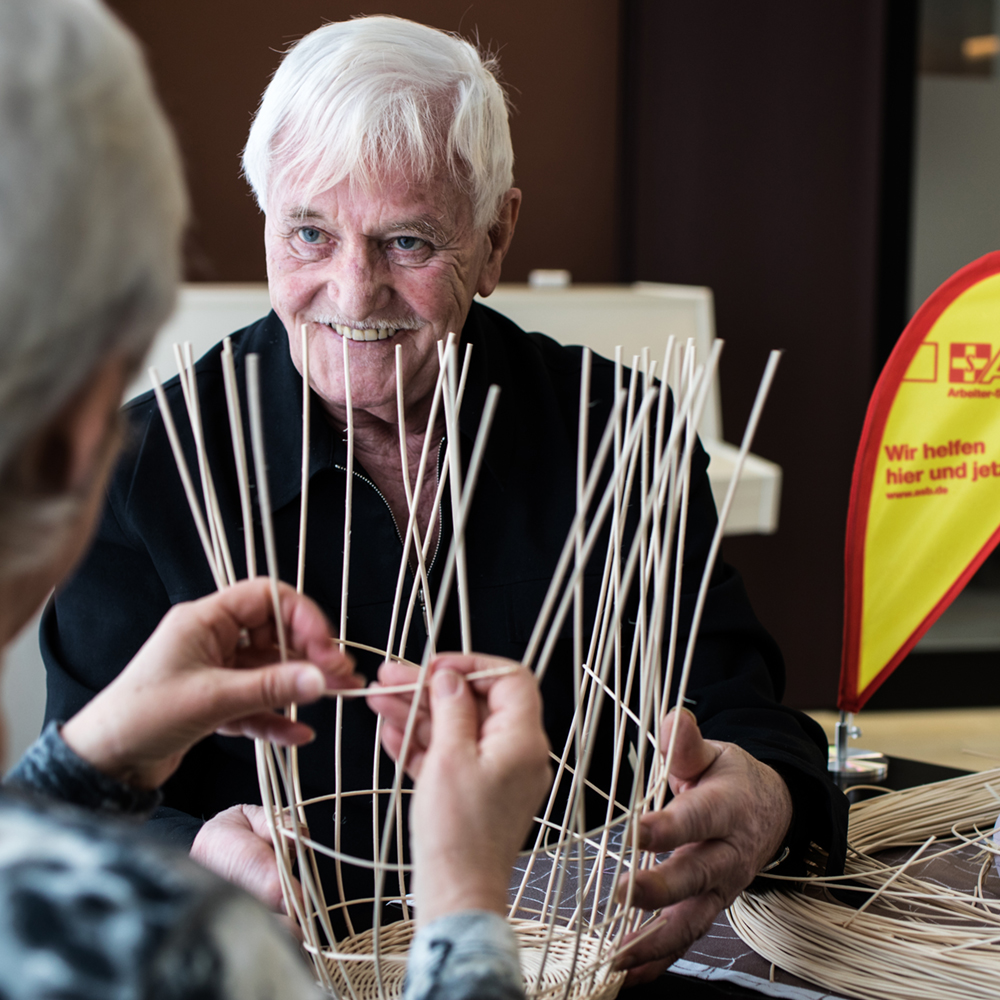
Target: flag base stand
[(854, 767)]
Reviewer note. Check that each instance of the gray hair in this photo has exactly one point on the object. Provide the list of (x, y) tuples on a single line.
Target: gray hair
[(380, 96), (92, 206)]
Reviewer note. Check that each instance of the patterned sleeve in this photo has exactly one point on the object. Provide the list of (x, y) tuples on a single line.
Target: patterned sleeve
[(90, 910), (50, 768), (464, 956)]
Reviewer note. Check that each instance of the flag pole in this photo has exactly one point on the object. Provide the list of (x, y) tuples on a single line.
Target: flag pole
[(852, 767)]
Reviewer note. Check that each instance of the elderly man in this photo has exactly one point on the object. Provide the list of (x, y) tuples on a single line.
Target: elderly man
[(381, 157)]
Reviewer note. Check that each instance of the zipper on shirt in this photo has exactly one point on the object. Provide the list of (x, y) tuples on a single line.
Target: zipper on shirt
[(395, 523)]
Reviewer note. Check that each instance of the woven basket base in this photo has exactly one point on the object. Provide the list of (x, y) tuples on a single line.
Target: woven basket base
[(592, 980)]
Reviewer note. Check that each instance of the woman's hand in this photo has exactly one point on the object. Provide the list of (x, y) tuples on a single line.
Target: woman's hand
[(210, 666), (481, 774), (395, 709)]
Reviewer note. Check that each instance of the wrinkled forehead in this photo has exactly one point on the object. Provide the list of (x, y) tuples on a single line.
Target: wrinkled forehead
[(435, 200)]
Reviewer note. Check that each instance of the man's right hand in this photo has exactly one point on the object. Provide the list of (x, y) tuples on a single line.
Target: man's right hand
[(236, 845)]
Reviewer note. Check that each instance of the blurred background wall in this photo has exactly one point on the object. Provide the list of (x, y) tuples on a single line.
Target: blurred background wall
[(560, 62)]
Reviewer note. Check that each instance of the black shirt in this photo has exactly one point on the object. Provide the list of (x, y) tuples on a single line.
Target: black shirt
[(147, 556)]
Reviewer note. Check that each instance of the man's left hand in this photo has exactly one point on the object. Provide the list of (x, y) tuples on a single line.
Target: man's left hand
[(728, 818)]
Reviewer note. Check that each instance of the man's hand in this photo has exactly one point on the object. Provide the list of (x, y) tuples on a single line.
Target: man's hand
[(728, 818), (236, 845), (210, 666), (480, 777)]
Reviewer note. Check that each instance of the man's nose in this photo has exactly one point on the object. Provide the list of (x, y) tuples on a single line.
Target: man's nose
[(357, 281)]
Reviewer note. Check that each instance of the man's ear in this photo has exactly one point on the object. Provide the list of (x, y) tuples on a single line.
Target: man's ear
[(500, 235), (72, 448)]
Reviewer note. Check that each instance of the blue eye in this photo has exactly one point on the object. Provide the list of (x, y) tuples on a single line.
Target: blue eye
[(408, 242), (310, 235)]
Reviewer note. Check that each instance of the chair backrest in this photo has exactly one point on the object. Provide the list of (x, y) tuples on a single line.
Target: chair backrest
[(635, 316)]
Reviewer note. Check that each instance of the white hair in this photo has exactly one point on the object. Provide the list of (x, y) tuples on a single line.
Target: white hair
[(92, 206), (377, 98)]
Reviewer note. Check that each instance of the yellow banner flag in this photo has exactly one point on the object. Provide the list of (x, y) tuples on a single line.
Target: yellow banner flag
[(925, 498)]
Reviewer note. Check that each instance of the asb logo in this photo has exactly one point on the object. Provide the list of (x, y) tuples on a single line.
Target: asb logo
[(972, 363)]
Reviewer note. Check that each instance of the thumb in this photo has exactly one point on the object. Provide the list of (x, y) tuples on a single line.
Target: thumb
[(454, 719), (242, 692), (692, 754)]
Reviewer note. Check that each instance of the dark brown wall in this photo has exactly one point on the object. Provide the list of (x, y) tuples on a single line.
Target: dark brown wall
[(213, 58), (755, 143)]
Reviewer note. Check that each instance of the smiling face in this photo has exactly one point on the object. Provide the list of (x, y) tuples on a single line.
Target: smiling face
[(399, 265)]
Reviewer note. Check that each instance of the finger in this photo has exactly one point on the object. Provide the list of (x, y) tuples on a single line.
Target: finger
[(240, 693), (709, 811), (454, 718), (257, 819), (392, 742), (468, 663), (245, 605), (392, 672), (309, 632), (659, 943), (513, 693), (270, 726), (692, 755), (694, 870), (231, 846), (395, 712), (247, 608)]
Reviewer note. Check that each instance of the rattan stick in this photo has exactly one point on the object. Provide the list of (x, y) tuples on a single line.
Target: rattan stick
[(748, 435), (662, 551), (459, 517), (649, 651), (636, 548), (338, 787), (583, 426), (586, 707), (412, 533), (213, 500), (300, 573), (696, 380), (267, 525), (632, 559), (239, 454), (408, 535), (348, 493), (438, 497), (542, 622), (589, 542), (680, 534), (264, 493), (393, 689), (262, 750), (885, 885), (182, 469), (614, 484), (455, 482), (218, 529), (183, 377)]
